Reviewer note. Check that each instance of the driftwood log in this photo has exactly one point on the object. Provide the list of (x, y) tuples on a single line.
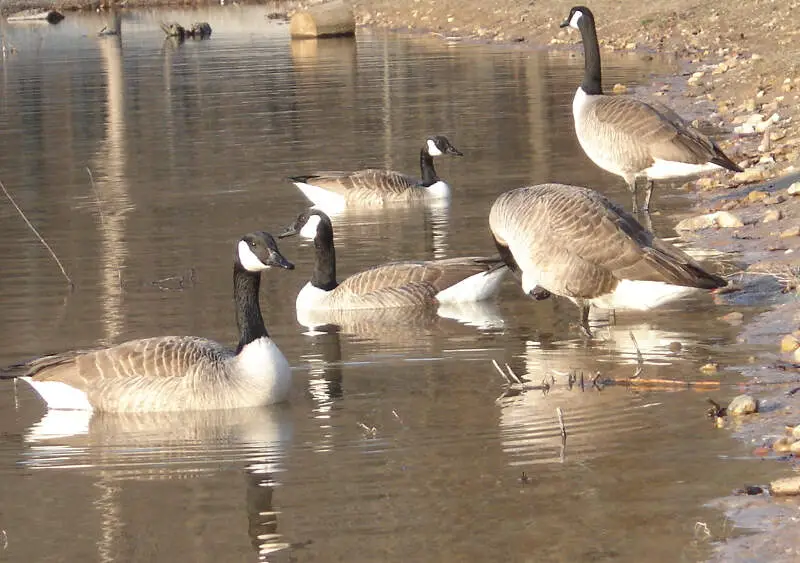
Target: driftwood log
[(333, 19), (199, 30), (49, 16)]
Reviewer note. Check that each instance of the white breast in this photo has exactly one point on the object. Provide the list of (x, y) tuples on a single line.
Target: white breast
[(312, 297), (438, 190), (665, 169), (263, 369)]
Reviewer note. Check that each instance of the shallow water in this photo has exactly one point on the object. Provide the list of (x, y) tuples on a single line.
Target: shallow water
[(396, 444)]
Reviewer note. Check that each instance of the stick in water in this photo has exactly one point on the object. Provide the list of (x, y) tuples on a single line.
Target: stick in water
[(560, 414), (44, 242)]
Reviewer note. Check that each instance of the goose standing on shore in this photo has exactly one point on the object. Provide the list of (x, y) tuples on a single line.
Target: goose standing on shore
[(396, 284), (172, 373), (632, 138), (370, 188), (573, 242)]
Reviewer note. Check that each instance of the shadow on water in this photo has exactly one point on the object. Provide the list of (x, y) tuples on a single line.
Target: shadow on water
[(395, 445)]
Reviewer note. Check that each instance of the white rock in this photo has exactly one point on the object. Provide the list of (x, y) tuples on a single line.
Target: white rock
[(719, 219), (794, 189)]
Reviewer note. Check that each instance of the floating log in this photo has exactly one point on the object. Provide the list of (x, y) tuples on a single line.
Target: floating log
[(49, 16), (334, 19)]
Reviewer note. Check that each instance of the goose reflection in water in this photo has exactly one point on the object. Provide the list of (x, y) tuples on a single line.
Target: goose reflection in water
[(131, 455)]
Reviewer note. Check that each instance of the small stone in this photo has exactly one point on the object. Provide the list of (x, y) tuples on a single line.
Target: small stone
[(772, 215), (721, 68), (719, 219), (710, 367), (797, 355), (675, 347), (619, 88), (794, 189), (796, 432), (749, 175), (734, 318), (774, 199), (783, 445), (785, 486), (630, 46), (791, 232), (743, 404), (756, 195), (789, 343), (795, 448)]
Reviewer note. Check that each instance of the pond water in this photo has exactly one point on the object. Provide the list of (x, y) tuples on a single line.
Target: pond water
[(141, 161)]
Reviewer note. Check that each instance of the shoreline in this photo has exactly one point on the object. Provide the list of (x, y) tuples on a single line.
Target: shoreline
[(741, 61)]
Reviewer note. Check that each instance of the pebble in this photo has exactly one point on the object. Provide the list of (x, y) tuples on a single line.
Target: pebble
[(785, 486), (774, 199), (619, 88), (749, 175), (789, 343), (794, 189), (796, 432), (719, 219), (711, 367), (773, 215), (791, 232), (795, 448), (783, 445), (734, 318), (756, 195), (743, 404)]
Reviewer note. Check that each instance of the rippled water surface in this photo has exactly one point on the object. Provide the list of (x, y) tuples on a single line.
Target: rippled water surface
[(396, 444)]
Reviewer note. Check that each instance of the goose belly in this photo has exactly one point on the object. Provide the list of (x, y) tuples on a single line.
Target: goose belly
[(59, 395), (438, 190), (641, 295), (261, 373), (328, 201), (665, 169), (478, 287)]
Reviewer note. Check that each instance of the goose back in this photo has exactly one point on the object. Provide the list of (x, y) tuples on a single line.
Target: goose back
[(574, 242)]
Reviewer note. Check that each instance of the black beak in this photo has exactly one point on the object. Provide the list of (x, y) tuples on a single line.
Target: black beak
[(453, 151), (277, 259), (291, 230), (565, 23)]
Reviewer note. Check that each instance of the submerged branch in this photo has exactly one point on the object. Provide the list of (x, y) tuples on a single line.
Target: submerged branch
[(41, 239)]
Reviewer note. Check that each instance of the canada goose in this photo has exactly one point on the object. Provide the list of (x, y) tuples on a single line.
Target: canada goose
[(397, 284), (176, 372), (632, 138), (334, 191), (573, 242)]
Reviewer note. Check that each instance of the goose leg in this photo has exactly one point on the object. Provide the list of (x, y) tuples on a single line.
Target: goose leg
[(584, 326), (632, 187), (647, 194)]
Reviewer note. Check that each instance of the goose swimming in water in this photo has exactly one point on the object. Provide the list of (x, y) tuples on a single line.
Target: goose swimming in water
[(573, 242), (370, 188), (632, 138), (172, 373), (396, 284)]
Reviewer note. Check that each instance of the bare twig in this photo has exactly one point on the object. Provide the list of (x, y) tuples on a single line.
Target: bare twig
[(513, 375), (561, 425), (44, 242), (97, 198), (639, 358)]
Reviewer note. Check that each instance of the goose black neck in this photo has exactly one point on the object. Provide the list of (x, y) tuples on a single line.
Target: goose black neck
[(429, 176), (248, 311), (324, 275), (591, 84)]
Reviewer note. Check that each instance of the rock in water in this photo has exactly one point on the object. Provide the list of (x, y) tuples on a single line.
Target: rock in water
[(743, 404)]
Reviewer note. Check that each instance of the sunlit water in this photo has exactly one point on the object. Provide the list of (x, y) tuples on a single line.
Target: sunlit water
[(397, 444)]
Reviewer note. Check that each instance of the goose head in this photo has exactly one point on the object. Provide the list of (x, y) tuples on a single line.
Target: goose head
[(312, 224), (576, 14), (439, 145), (258, 251)]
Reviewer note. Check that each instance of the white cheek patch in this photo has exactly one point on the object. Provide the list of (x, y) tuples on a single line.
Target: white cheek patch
[(309, 230), (250, 261), (433, 150), (576, 17)]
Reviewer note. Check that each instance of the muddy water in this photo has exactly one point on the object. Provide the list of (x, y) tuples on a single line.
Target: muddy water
[(397, 444)]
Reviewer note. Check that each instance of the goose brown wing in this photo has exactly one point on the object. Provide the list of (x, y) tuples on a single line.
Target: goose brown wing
[(580, 244), (149, 358), (343, 183), (653, 128)]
